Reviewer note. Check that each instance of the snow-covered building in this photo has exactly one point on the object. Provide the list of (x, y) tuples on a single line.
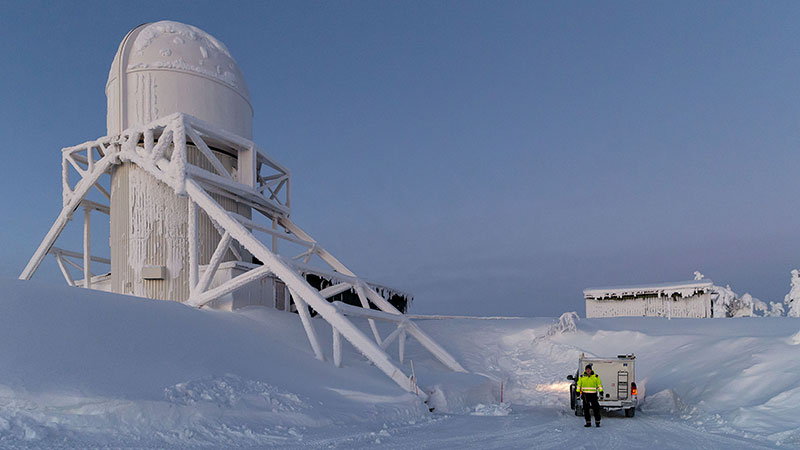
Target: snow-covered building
[(680, 299)]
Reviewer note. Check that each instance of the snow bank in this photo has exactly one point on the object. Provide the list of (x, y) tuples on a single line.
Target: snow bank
[(85, 368), (735, 377)]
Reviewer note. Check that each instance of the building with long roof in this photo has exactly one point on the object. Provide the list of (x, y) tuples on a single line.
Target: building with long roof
[(679, 299)]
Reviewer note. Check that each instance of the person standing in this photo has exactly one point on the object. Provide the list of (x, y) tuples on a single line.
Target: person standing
[(590, 388)]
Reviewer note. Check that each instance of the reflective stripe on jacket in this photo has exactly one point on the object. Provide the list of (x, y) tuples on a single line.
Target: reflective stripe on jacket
[(589, 384)]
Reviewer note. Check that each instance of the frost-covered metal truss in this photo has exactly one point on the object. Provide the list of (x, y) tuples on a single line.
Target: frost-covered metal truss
[(160, 148)]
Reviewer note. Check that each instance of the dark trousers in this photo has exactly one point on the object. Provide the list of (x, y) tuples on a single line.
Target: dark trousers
[(590, 400)]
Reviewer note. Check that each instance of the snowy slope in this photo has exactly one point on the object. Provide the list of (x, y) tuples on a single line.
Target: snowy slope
[(82, 369)]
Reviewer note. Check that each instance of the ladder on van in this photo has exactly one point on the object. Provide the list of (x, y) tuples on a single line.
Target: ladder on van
[(622, 385)]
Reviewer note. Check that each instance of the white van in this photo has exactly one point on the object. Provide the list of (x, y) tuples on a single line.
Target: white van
[(618, 376)]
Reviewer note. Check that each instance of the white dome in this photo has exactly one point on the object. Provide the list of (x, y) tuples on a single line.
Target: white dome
[(168, 67)]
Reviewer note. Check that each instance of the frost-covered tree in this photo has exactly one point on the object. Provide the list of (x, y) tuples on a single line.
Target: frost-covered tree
[(725, 301), (760, 308), (744, 306), (698, 276), (566, 324), (775, 309), (792, 299)]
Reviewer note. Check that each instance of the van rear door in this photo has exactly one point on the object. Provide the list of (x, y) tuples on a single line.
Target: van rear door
[(616, 376)]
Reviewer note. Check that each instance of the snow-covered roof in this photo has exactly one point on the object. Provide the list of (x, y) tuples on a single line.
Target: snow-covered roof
[(683, 288), (166, 67), (181, 47)]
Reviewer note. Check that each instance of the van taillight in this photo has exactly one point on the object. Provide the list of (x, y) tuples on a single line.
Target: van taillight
[(633, 388)]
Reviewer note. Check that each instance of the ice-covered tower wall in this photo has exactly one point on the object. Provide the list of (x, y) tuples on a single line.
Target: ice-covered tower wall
[(162, 68)]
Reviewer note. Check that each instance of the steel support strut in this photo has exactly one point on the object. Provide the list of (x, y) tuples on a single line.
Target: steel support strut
[(298, 285)]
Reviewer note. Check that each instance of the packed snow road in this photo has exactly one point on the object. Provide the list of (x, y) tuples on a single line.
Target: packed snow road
[(531, 429)]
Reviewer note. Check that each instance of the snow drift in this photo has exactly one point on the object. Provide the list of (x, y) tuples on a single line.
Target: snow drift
[(83, 367)]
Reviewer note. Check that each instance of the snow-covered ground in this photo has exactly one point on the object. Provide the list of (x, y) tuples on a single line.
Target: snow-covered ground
[(91, 369)]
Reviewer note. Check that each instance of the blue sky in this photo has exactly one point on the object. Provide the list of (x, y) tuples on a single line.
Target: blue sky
[(490, 157)]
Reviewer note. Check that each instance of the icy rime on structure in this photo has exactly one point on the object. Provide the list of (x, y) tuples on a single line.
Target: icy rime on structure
[(681, 299), (188, 192), (148, 222)]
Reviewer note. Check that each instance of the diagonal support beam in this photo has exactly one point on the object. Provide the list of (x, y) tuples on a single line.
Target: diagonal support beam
[(81, 171), (330, 291), (321, 252), (77, 255), (392, 336), (72, 263), (213, 265), (303, 290), (365, 304), (226, 288), (64, 269), (231, 247), (201, 145), (440, 353), (164, 141), (102, 190), (311, 332), (76, 197)]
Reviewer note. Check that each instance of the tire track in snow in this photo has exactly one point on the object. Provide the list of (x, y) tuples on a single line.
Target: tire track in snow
[(534, 428)]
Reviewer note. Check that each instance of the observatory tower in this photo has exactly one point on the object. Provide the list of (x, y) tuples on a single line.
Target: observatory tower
[(160, 69), (197, 212)]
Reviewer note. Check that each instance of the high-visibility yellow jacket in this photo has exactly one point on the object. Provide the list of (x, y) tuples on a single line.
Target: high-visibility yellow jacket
[(589, 384)]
